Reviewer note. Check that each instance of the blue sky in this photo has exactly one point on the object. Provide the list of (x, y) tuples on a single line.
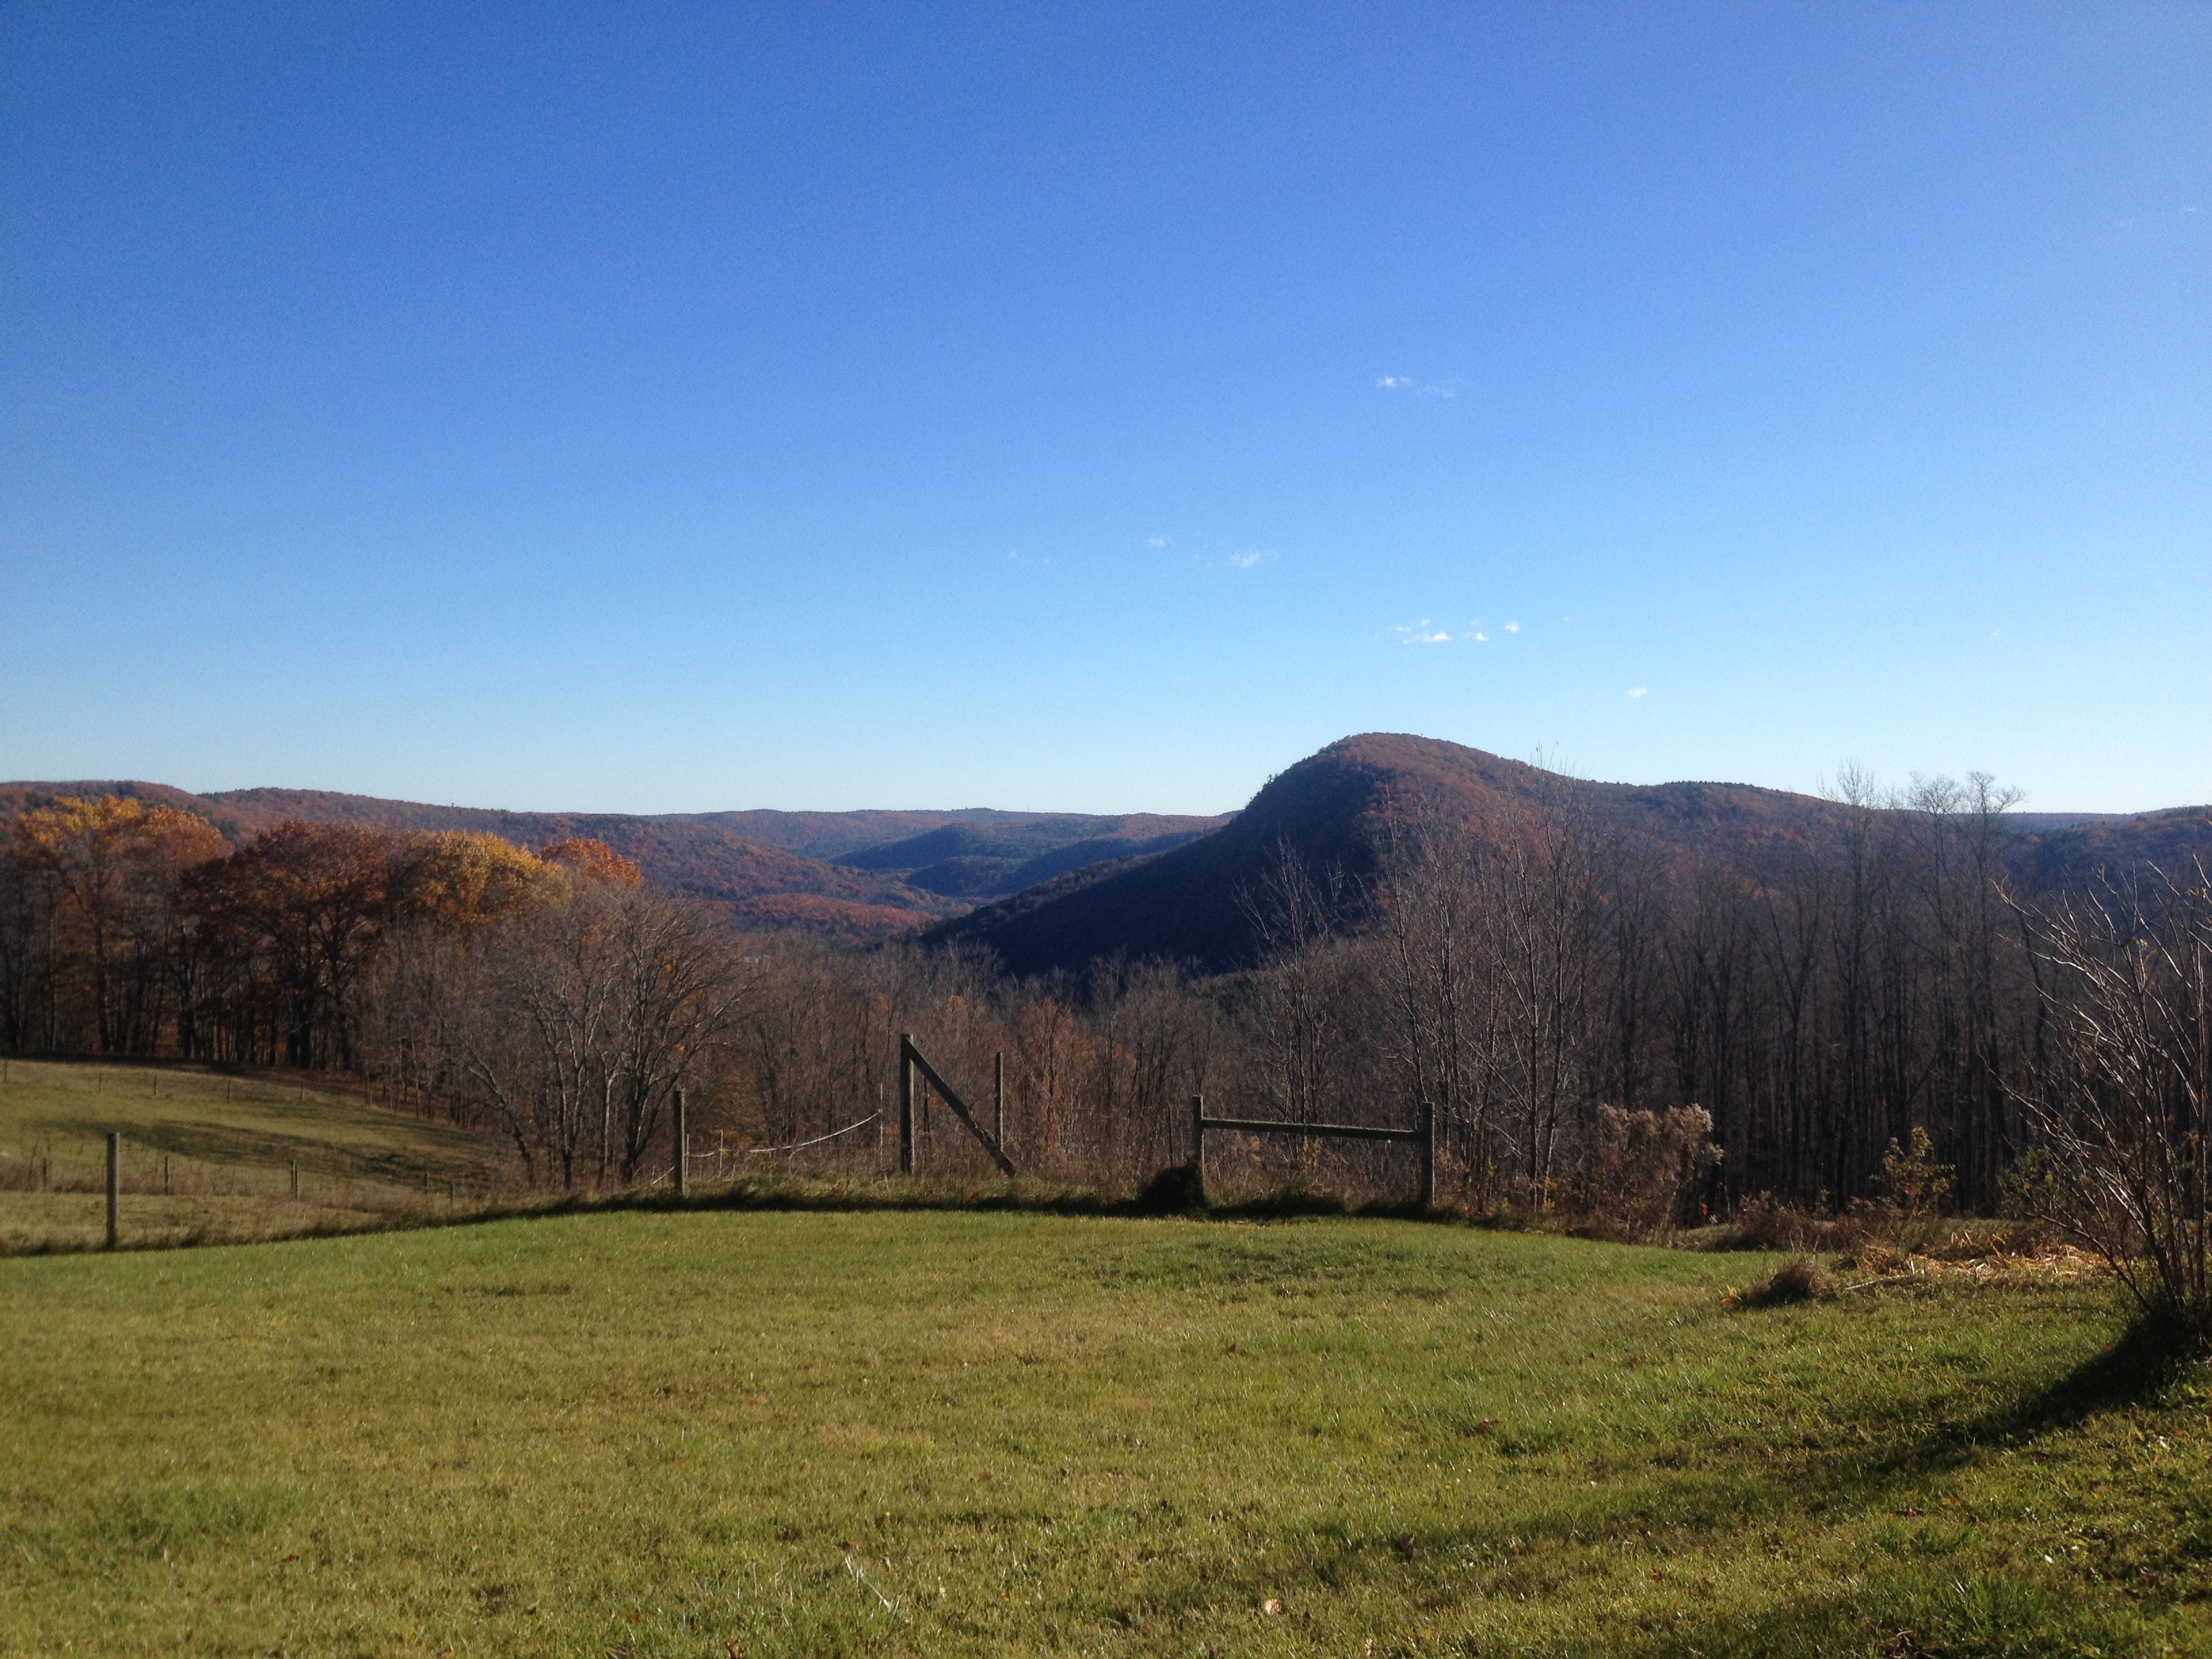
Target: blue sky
[(666, 407)]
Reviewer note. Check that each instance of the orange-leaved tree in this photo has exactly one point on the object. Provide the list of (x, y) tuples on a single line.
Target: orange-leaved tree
[(594, 860), (115, 863)]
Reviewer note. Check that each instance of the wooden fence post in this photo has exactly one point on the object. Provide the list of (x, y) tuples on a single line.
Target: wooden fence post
[(1198, 1143), (1428, 1155), (683, 1148), (905, 1102), (115, 1189)]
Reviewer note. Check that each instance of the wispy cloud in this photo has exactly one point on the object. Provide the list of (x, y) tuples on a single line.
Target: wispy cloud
[(1423, 632), (1513, 628), (1247, 561), (1639, 690), (1407, 384), (1155, 541)]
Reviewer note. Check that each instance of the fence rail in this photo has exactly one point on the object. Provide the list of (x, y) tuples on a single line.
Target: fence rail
[(1422, 1134)]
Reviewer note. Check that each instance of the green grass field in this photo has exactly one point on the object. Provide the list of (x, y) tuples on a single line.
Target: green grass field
[(208, 1156), (721, 1432)]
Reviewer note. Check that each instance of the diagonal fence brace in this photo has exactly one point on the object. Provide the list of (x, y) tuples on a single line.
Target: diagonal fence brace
[(911, 1056)]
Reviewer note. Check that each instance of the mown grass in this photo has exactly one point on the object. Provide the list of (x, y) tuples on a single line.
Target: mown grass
[(808, 1432), (209, 1157)]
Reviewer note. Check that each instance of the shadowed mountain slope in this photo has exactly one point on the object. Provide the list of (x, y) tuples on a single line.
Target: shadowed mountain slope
[(861, 839), (2068, 854), (1333, 809), (984, 862)]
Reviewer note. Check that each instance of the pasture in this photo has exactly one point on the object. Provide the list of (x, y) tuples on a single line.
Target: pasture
[(210, 1158), (722, 1432)]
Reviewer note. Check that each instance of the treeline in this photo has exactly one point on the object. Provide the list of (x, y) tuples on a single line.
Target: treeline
[(1820, 995), (1568, 999), (548, 994), (1592, 1021)]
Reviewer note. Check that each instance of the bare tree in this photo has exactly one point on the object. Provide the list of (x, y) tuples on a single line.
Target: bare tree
[(1294, 1011), (1442, 1016), (1540, 915), (677, 983), (2119, 1095)]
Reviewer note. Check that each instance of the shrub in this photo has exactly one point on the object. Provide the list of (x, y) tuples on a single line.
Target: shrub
[(1909, 1195), (1764, 1222), (1177, 1190), (1912, 1186), (1801, 1279), (1646, 1168)]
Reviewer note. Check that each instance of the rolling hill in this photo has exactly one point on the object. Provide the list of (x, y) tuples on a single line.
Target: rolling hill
[(859, 874)]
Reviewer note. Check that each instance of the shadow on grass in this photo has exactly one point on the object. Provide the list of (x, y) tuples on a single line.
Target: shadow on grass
[(273, 1149), (847, 1195), (1951, 1608), (2148, 1357), (1903, 1613)]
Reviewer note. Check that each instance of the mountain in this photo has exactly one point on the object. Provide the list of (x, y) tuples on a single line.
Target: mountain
[(1333, 808), (860, 874), (1061, 889), (2066, 855)]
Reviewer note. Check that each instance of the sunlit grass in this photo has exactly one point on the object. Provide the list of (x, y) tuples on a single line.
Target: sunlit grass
[(808, 1434)]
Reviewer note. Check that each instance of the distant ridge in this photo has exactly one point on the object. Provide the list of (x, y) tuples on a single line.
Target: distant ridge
[(1331, 809), (781, 874), (1060, 890)]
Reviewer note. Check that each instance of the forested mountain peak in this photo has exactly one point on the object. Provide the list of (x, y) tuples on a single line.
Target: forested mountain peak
[(1335, 813)]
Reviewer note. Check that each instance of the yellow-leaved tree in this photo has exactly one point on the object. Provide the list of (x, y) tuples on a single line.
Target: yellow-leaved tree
[(114, 864)]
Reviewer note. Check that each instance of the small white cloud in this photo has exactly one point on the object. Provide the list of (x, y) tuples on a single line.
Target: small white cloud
[(1246, 561), (1155, 541), (1482, 638), (1407, 383), (1423, 632), (1513, 628), (1639, 690)]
